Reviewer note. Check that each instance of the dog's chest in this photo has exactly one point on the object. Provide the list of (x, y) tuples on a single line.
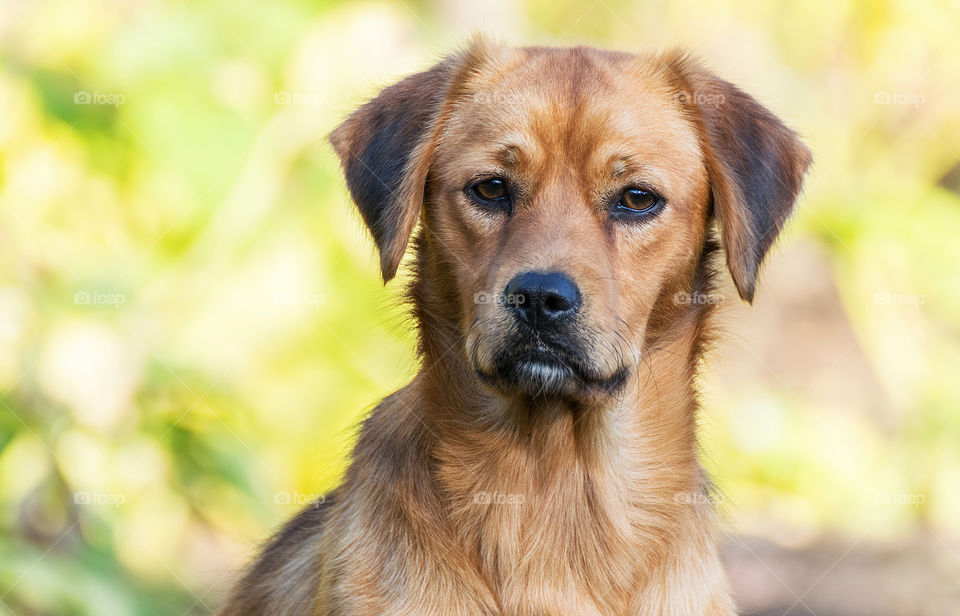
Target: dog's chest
[(574, 565), (556, 544)]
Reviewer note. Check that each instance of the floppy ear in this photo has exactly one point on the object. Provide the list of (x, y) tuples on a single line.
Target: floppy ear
[(385, 149), (755, 165)]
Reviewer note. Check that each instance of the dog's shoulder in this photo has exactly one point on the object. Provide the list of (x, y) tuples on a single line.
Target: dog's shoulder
[(285, 578)]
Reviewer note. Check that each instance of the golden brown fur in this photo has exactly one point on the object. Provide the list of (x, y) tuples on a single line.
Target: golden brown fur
[(600, 506)]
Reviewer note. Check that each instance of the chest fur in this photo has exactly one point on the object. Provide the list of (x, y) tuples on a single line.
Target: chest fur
[(552, 534)]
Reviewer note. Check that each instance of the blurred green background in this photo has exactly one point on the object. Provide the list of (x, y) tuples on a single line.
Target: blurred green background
[(191, 322)]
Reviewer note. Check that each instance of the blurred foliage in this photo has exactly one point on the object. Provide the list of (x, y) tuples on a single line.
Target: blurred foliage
[(191, 322)]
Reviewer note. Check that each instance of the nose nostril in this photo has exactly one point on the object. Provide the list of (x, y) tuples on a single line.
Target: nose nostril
[(554, 303)]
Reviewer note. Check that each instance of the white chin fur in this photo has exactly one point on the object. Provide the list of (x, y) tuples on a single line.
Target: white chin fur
[(543, 377)]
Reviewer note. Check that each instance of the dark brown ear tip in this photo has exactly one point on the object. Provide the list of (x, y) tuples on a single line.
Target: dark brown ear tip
[(746, 285), (388, 270)]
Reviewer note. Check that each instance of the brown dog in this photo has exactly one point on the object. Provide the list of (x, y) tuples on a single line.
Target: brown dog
[(544, 459)]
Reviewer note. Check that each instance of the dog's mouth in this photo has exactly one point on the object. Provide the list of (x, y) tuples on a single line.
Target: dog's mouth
[(543, 368)]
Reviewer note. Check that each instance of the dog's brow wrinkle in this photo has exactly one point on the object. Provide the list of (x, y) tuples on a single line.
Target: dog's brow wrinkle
[(509, 155), (619, 167)]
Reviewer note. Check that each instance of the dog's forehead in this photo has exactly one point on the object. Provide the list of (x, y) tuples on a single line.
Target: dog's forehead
[(598, 104)]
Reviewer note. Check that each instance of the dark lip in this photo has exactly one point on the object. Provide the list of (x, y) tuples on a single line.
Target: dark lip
[(576, 376)]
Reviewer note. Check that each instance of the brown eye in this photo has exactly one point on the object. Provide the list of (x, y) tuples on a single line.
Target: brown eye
[(491, 193), (491, 190), (638, 200)]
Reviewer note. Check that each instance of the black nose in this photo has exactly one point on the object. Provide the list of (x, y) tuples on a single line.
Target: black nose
[(542, 299)]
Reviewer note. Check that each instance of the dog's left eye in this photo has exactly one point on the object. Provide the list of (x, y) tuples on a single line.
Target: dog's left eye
[(638, 201), (491, 192)]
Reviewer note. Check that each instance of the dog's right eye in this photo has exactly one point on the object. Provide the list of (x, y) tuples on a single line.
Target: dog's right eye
[(491, 192)]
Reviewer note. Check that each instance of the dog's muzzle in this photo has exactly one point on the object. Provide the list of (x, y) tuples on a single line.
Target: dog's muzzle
[(546, 352)]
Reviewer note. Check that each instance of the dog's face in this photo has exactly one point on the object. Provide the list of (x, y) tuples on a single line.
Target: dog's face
[(578, 187), (567, 195)]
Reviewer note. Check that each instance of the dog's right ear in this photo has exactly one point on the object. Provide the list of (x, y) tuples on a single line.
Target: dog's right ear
[(386, 146)]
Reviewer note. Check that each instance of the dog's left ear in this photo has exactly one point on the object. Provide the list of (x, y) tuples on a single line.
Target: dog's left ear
[(755, 166), (385, 149)]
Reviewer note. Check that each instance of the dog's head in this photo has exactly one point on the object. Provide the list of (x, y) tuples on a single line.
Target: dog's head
[(567, 195)]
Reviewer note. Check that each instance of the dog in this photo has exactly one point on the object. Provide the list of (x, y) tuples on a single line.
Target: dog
[(569, 209)]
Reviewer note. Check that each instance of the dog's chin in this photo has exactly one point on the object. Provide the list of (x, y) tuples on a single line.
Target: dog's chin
[(541, 372)]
